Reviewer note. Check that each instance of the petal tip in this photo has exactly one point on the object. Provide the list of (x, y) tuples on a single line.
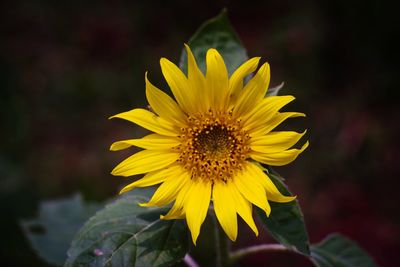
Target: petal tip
[(305, 146), (123, 190), (164, 61), (194, 240), (256, 232)]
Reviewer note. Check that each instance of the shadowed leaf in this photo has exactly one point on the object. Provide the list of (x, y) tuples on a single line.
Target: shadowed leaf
[(338, 251), (286, 222), (216, 33), (51, 233), (125, 234)]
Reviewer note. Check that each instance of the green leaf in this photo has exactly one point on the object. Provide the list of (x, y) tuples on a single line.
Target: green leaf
[(338, 251), (286, 222), (216, 33), (51, 233), (125, 234)]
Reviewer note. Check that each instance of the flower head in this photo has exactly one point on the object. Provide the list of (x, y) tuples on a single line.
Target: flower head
[(207, 145)]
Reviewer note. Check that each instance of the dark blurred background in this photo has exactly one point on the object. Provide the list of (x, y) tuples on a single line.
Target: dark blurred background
[(66, 66)]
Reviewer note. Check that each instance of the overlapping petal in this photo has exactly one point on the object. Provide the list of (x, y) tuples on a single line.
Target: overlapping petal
[(278, 158), (237, 79), (179, 85), (149, 120), (244, 208), (225, 208), (272, 123), (178, 209), (252, 189), (264, 111), (197, 82), (272, 191), (196, 206), (168, 190), (254, 91), (151, 142), (164, 105), (275, 141), (145, 161), (154, 177), (216, 80)]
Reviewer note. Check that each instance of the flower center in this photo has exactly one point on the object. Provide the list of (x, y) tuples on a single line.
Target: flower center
[(214, 142), (214, 146)]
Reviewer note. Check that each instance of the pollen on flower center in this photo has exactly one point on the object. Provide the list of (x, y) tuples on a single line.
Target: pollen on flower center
[(214, 146), (214, 142)]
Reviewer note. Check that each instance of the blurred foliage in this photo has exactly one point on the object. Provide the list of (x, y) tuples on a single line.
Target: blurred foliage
[(216, 33), (286, 222), (66, 66), (59, 220), (338, 251)]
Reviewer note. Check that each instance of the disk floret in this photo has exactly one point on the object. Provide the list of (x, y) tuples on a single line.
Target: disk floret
[(214, 146)]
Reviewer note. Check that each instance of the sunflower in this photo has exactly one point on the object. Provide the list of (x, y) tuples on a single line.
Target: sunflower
[(207, 146)]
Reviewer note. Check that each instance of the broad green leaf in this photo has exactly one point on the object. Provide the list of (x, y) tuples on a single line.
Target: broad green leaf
[(274, 91), (338, 251), (286, 222), (124, 234), (216, 33), (51, 233)]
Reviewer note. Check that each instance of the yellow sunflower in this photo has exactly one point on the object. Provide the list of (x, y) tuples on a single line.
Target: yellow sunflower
[(207, 145)]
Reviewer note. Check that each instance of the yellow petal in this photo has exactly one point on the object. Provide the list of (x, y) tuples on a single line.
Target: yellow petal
[(197, 82), (244, 209), (149, 120), (217, 79), (277, 119), (224, 207), (168, 190), (164, 105), (145, 161), (253, 92), (275, 141), (252, 190), (154, 177), (179, 85), (236, 80), (279, 158), (177, 211), (174, 214), (151, 141), (196, 206), (265, 110), (273, 193)]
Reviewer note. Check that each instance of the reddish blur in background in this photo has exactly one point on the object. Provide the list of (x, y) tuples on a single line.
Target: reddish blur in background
[(66, 66)]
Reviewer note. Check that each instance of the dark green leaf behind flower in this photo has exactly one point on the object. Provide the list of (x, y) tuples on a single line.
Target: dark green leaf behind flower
[(286, 222), (216, 33), (125, 234), (338, 251)]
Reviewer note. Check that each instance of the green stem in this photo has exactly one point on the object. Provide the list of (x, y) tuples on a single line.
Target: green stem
[(240, 253), (221, 245)]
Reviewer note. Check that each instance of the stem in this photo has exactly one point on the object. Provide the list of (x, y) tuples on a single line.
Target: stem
[(221, 245), (190, 261), (240, 253)]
